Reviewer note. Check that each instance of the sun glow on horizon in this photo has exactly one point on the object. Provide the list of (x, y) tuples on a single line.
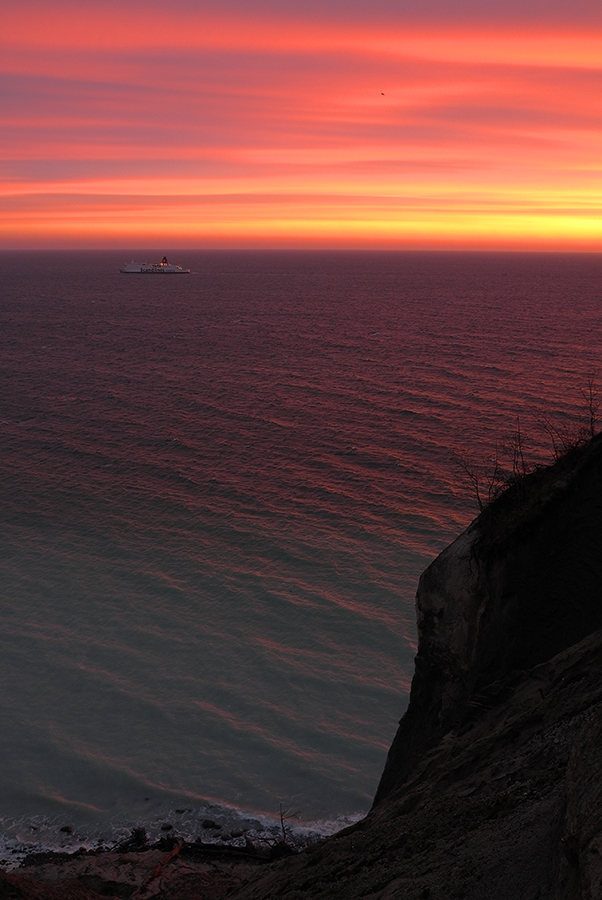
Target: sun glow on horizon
[(298, 133)]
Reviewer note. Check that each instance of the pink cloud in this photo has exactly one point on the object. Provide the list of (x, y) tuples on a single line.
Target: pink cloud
[(213, 128)]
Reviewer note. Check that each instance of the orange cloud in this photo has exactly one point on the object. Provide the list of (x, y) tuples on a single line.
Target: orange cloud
[(210, 131)]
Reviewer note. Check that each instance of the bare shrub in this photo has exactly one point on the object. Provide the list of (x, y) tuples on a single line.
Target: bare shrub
[(510, 468)]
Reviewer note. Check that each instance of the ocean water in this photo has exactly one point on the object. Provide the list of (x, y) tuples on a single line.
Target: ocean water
[(217, 493)]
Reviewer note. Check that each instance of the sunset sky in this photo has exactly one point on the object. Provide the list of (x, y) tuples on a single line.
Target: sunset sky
[(426, 123)]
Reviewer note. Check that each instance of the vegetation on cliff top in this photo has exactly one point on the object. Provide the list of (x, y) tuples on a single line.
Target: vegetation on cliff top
[(510, 490)]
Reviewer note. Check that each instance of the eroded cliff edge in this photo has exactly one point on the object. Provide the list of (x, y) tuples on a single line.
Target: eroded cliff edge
[(492, 788), (523, 583)]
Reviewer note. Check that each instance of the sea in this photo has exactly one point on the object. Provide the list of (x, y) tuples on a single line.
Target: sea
[(217, 494)]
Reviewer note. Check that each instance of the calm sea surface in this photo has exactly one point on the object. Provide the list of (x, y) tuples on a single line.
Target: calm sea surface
[(217, 493)]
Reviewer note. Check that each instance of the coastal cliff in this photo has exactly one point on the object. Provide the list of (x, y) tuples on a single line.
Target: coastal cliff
[(523, 583), (492, 788)]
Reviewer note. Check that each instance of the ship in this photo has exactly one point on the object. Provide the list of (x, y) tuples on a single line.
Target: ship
[(162, 268)]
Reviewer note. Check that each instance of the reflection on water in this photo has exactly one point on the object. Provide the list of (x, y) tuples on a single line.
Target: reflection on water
[(218, 493)]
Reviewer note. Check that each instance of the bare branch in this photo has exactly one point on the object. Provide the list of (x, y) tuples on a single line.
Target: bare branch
[(286, 814), (472, 473), (590, 395)]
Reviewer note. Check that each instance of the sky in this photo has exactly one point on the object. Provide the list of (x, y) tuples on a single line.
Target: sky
[(406, 124)]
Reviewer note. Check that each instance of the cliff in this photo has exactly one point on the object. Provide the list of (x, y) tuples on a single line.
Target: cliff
[(523, 583), (492, 788)]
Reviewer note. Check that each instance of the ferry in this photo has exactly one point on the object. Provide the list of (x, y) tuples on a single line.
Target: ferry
[(162, 268)]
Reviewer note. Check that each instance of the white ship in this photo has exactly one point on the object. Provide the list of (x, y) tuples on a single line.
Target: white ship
[(162, 268)]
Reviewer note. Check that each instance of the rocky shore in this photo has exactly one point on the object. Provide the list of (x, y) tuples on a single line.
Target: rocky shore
[(170, 868), (492, 788)]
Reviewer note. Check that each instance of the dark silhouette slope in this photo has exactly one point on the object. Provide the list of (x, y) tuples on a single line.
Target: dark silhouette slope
[(521, 585), (492, 788)]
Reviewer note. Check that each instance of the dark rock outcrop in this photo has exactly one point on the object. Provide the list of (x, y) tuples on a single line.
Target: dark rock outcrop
[(518, 587), (492, 788)]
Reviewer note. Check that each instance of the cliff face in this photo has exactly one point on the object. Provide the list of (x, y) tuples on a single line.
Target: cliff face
[(492, 788), (521, 585)]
